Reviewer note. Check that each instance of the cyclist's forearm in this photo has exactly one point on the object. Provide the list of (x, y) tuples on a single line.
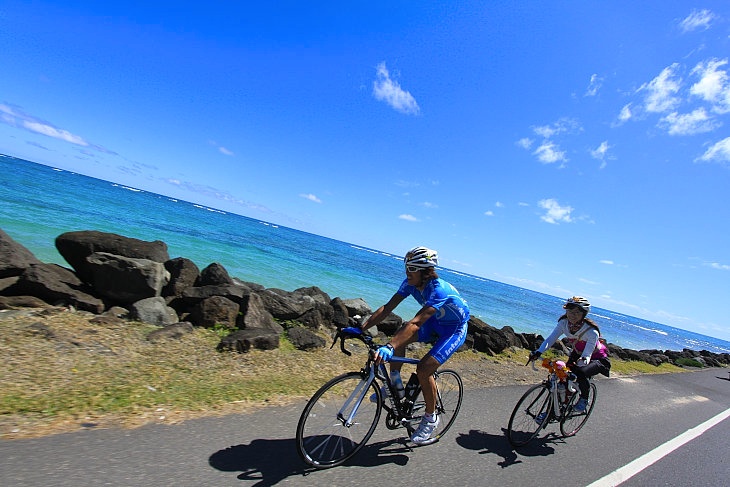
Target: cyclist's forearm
[(403, 335), (375, 318)]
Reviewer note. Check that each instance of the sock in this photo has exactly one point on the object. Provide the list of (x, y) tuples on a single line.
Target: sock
[(430, 417)]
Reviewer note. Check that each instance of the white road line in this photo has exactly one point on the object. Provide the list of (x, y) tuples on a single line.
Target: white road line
[(629, 470)]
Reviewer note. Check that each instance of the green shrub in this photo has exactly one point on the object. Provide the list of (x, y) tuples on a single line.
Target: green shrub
[(688, 362)]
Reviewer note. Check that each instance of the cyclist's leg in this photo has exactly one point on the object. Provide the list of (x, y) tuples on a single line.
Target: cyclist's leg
[(584, 373), (425, 369)]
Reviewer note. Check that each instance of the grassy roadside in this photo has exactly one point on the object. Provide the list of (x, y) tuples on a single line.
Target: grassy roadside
[(61, 373)]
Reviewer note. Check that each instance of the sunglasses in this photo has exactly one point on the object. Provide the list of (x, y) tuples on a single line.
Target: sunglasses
[(411, 268), (573, 306)]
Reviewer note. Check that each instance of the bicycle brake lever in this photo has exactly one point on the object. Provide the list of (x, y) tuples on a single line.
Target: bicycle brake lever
[(342, 347)]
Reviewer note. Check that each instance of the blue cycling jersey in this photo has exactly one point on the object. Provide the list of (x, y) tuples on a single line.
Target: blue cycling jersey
[(451, 308)]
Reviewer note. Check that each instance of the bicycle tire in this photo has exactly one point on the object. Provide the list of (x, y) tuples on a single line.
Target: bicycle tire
[(450, 394), (523, 424), (323, 438), (572, 421)]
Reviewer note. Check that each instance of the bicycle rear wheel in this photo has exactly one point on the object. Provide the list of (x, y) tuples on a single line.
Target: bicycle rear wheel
[(573, 421), (450, 393), (338, 420), (524, 424)]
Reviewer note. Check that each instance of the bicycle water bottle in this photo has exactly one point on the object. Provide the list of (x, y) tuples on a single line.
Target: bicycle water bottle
[(412, 388)]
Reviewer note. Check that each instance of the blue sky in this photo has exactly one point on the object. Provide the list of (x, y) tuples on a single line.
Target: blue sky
[(565, 147)]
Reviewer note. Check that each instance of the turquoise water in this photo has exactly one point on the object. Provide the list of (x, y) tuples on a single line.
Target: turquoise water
[(39, 203)]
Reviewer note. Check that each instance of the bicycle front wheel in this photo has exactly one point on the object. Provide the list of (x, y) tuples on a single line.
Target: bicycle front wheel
[(529, 415), (573, 421), (338, 420), (449, 394)]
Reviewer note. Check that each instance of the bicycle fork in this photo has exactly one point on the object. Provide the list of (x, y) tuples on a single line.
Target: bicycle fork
[(352, 404)]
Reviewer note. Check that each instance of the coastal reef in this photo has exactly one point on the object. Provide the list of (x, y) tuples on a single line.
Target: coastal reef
[(117, 278)]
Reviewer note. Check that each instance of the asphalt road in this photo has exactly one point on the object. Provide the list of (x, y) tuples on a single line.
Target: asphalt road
[(632, 418)]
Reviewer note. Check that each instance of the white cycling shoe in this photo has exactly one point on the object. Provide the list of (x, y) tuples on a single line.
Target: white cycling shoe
[(425, 430)]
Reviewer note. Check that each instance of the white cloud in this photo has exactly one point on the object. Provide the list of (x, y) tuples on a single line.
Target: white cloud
[(225, 151), (499, 204), (715, 265), (554, 212), (16, 118), (310, 197), (564, 125), (698, 19), (601, 153), (661, 91), (525, 143), (625, 114), (719, 152), (594, 85), (696, 122), (548, 152), (408, 218), (713, 85), (489, 213), (387, 90), (428, 204), (607, 262)]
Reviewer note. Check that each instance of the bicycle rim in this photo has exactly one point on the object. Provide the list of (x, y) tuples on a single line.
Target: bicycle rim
[(324, 436), (523, 424), (573, 421), (450, 393)]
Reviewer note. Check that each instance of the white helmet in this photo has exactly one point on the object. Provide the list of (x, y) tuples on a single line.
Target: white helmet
[(421, 257), (579, 301)]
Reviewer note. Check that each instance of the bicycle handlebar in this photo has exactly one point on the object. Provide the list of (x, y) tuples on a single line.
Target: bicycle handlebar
[(350, 332)]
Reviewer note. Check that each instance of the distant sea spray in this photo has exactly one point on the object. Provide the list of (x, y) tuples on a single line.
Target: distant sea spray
[(40, 202)]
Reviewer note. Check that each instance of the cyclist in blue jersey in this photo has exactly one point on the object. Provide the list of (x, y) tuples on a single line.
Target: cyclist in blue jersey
[(442, 320)]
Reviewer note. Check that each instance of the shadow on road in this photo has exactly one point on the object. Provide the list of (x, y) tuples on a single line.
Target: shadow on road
[(271, 461), (486, 443)]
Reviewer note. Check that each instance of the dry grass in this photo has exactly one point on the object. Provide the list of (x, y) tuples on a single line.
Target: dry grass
[(62, 373)]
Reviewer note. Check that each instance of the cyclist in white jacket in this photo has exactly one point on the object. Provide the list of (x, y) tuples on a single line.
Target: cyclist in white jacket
[(590, 355)]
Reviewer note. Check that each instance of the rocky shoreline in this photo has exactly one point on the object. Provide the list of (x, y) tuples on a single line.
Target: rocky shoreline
[(119, 278)]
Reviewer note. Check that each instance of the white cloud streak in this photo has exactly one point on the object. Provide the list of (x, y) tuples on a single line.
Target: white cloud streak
[(310, 197), (594, 85), (696, 122), (388, 90), (661, 91), (719, 152), (16, 118), (548, 153), (408, 218), (713, 85), (555, 213), (698, 19)]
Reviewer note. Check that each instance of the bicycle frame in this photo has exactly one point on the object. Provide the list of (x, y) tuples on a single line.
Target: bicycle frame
[(558, 406), (375, 373)]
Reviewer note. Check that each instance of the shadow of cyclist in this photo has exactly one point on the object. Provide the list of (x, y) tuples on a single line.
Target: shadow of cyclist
[(271, 461), (486, 443)]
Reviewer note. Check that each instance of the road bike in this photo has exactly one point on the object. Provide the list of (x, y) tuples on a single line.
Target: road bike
[(552, 401), (342, 415)]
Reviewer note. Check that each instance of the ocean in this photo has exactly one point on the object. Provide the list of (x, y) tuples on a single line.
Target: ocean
[(41, 202)]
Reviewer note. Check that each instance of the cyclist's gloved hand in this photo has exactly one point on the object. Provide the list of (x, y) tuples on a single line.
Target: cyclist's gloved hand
[(384, 353), (351, 330), (534, 355), (581, 361)]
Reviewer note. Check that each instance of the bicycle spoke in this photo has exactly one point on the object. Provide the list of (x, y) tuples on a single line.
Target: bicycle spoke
[(526, 420), (337, 422), (573, 421)]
